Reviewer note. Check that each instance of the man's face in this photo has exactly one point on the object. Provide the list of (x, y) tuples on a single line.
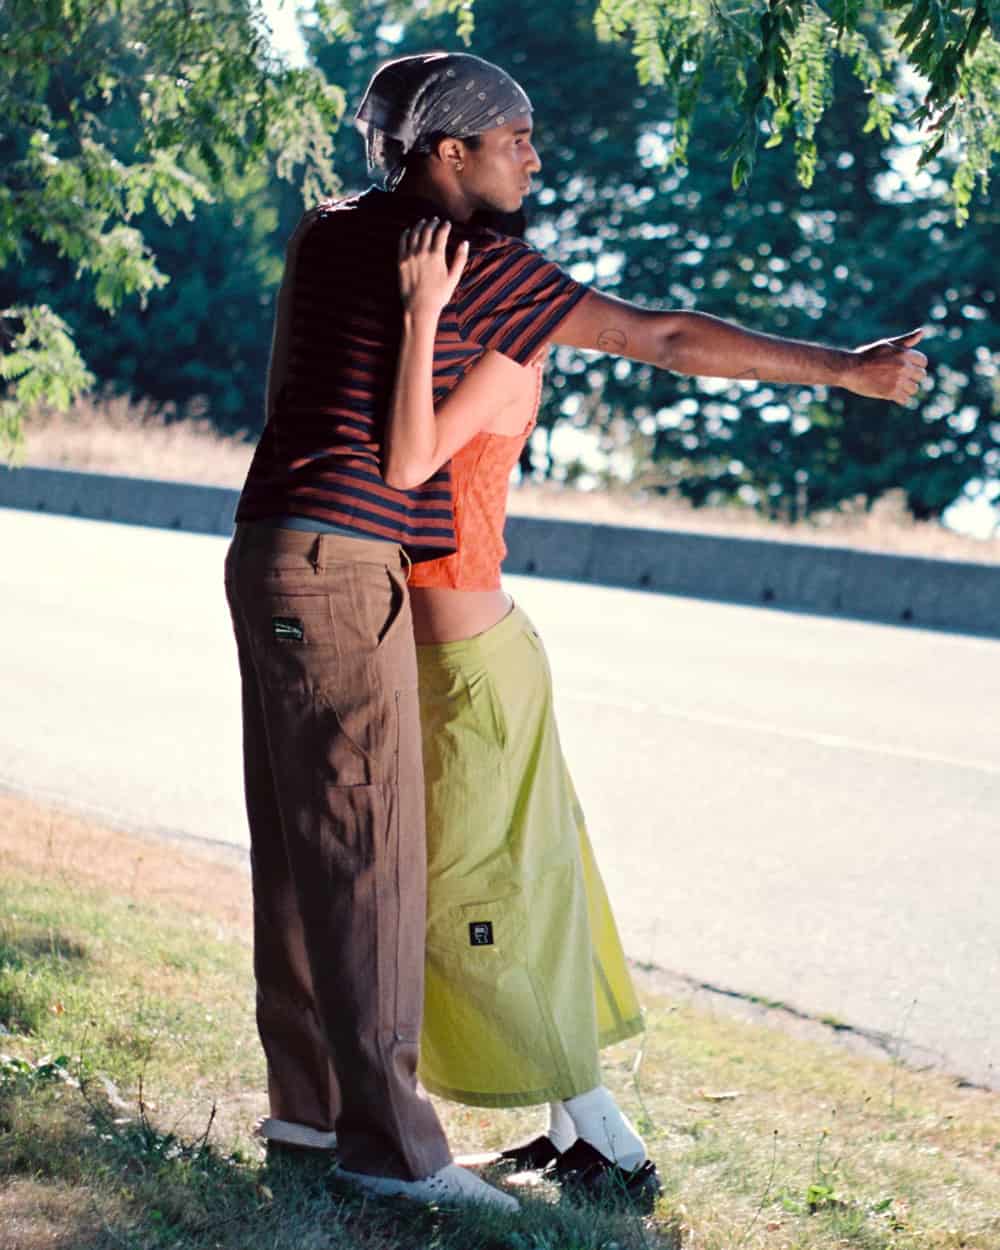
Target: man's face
[(497, 173)]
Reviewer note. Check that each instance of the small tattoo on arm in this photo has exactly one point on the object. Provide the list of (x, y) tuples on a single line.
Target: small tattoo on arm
[(612, 341), (751, 375)]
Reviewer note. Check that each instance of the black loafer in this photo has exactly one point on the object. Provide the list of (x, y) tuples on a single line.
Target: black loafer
[(584, 1170), (530, 1156)]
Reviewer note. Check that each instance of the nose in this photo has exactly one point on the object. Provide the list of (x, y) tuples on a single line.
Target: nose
[(532, 162)]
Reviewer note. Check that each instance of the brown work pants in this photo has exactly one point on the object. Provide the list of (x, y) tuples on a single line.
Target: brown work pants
[(335, 801)]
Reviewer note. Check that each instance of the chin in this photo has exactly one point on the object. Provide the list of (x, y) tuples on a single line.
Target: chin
[(504, 220), (509, 203)]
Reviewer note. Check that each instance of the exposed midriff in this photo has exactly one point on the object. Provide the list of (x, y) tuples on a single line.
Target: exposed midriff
[(480, 477)]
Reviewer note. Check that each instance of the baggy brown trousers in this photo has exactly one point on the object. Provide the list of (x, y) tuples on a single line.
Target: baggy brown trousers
[(335, 802)]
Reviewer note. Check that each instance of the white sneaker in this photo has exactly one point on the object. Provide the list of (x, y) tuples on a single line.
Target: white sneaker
[(450, 1184), (288, 1133)]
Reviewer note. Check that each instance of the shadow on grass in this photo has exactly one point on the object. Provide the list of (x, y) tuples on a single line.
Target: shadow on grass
[(127, 1184), (16, 951), (20, 1009), (136, 1186), (30, 962)]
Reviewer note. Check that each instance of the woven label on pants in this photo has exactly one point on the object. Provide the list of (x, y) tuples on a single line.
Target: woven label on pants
[(288, 629)]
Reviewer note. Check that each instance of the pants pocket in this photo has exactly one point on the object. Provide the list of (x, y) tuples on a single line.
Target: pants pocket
[(397, 613), (485, 1029)]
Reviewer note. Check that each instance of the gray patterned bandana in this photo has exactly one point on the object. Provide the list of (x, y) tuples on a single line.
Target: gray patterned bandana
[(414, 98)]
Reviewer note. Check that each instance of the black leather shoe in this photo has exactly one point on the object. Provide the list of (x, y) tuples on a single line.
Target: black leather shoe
[(584, 1170), (530, 1156)]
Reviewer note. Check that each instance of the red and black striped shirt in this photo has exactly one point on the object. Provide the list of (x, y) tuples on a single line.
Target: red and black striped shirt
[(333, 364)]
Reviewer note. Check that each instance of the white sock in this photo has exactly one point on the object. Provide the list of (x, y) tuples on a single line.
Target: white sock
[(600, 1121), (561, 1131)]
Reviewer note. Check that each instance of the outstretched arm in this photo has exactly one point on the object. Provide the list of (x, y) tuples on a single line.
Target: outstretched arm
[(705, 346), (418, 438)]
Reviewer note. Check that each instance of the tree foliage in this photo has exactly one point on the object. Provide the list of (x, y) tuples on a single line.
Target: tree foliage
[(865, 252), (112, 109), (775, 60), (199, 345), (137, 141)]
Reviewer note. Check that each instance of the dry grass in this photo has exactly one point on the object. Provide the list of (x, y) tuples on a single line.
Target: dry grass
[(44, 1213), (133, 956), (136, 439), (116, 436), (70, 850)]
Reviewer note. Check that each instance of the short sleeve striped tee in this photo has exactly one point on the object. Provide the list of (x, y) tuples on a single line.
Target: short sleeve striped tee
[(334, 356)]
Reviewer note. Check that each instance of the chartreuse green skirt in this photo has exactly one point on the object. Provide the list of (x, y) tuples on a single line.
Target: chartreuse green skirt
[(525, 974)]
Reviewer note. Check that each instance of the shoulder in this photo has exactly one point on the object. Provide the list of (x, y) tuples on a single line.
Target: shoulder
[(361, 202), (339, 223), (488, 246), (358, 210), (503, 259)]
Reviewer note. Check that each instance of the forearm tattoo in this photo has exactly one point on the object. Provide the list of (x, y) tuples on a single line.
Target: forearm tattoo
[(613, 341)]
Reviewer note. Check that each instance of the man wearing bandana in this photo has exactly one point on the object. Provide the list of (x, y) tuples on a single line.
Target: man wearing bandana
[(316, 579)]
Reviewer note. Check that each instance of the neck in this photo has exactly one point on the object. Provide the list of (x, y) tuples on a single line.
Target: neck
[(445, 195)]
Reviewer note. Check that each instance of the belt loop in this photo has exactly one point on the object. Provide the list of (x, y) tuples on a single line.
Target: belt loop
[(405, 562), (316, 554)]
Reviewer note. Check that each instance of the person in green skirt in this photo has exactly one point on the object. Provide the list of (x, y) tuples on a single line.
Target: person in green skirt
[(525, 975)]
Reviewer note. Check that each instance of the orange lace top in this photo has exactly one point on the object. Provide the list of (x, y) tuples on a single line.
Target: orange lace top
[(480, 476)]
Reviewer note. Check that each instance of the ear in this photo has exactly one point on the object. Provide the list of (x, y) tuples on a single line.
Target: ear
[(451, 152)]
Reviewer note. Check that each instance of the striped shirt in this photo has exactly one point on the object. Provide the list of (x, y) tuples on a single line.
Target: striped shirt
[(333, 362)]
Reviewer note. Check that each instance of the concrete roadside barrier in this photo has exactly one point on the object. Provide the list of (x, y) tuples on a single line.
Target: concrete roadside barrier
[(834, 581), (963, 596), (128, 500)]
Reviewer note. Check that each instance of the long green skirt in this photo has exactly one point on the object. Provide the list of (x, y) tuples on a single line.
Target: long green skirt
[(525, 974)]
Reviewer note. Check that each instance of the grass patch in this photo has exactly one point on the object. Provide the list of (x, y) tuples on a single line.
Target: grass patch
[(131, 1077)]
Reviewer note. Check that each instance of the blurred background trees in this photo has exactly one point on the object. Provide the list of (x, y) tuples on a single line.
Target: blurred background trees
[(117, 119), (870, 248)]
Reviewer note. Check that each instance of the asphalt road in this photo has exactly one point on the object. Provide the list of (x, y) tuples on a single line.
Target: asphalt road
[(802, 809)]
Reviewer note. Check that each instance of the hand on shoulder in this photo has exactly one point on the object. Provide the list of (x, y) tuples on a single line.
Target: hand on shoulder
[(427, 280)]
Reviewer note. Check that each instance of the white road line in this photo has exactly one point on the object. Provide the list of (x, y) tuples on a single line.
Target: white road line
[(835, 741)]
